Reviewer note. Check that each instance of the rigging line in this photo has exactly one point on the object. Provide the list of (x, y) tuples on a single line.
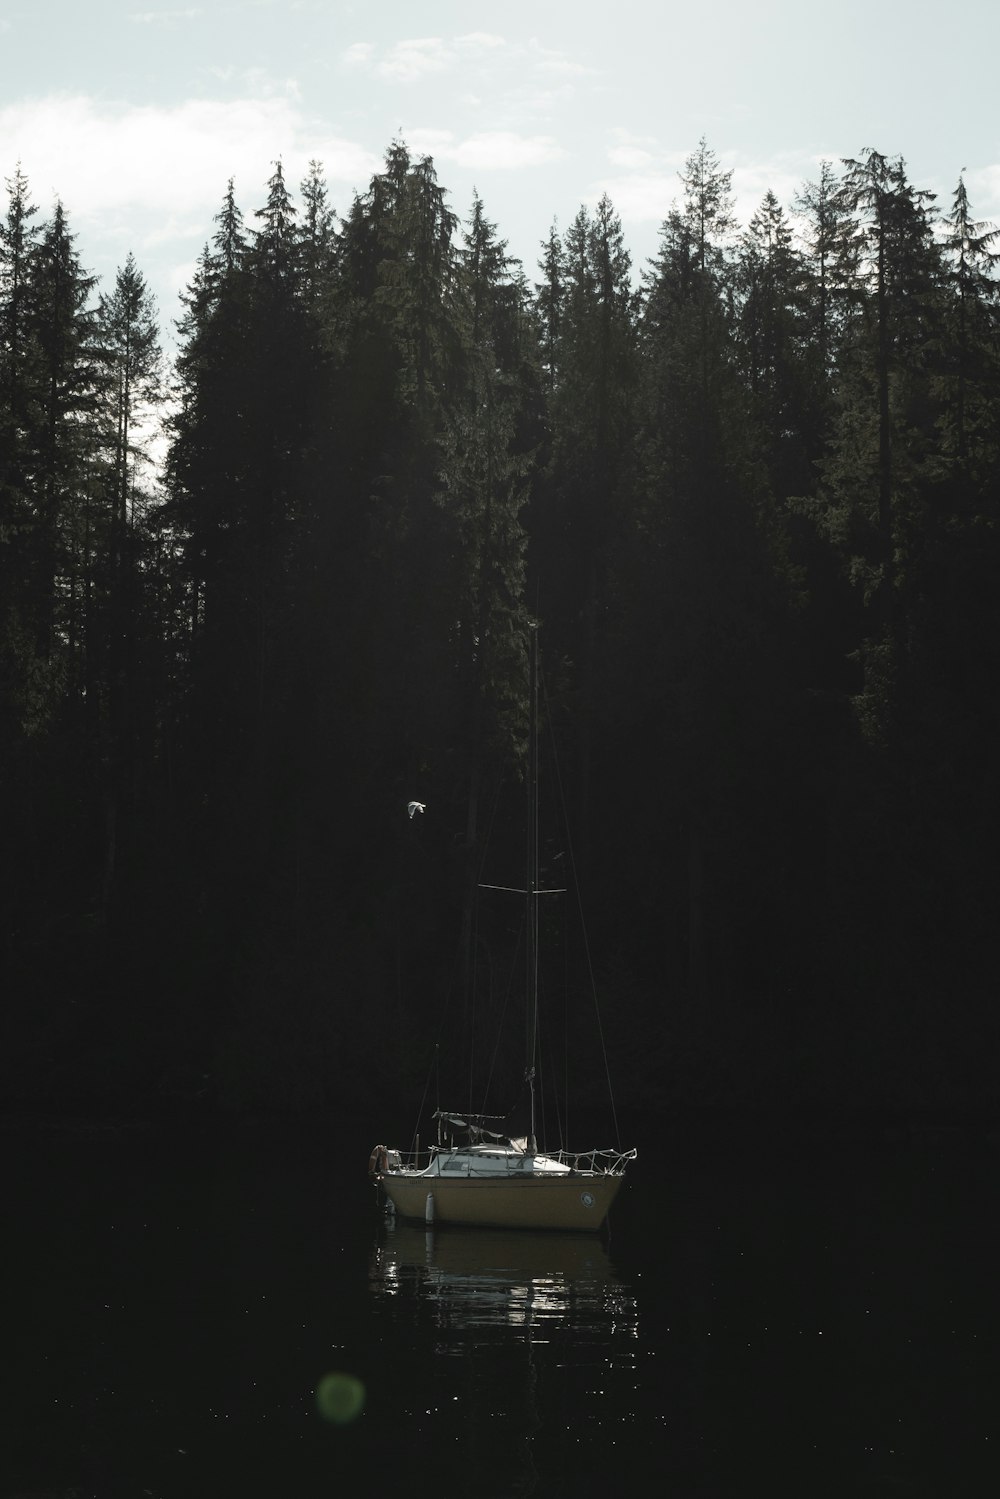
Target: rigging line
[(540, 1068), (489, 832), (579, 902), (519, 890), (423, 1099), (500, 1024), (550, 1080), (474, 990), (474, 975), (435, 1061), (562, 1098)]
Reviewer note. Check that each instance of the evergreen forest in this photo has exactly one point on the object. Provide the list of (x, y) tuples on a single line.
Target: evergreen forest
[(256, 599)]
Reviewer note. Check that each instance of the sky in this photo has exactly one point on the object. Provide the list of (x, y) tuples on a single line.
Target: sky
[(137, 117)]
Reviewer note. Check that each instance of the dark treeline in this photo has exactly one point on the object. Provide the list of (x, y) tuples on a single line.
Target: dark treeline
[(751, 493)]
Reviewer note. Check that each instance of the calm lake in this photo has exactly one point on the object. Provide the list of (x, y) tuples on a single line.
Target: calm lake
[(783, 1314)]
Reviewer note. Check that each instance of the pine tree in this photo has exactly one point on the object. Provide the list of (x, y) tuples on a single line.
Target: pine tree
[(591, 409), (54, 485), (65, 402), (770, 333), (832, 251), (972, 337), (17, 241), (317, 242), (210, 427), (230, 239), (279, 351), (549, 306), (18, 238), (484, 489), (705, 575), (588, 311), (129, 338), (486, 485), (708, 209), (22, 686), (213, 510), (898, 271), (877, 505)]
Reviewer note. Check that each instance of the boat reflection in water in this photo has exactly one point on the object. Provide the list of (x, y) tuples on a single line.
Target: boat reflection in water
[(514, 1354), (476, 1278)]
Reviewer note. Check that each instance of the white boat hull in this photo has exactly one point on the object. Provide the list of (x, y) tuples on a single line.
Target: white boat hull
[(575, 1201)]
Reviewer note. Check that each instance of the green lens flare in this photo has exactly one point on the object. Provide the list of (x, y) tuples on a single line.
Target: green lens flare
[(339, 1398)]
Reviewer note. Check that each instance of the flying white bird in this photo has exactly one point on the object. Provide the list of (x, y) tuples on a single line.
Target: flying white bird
[(412, 807)]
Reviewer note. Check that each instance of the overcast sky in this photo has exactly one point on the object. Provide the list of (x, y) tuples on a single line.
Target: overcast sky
[(138, 117)]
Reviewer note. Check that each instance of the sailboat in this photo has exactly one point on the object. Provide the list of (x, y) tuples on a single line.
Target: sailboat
[(476, 1174)]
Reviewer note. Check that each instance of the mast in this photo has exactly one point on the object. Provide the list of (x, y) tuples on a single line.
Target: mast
[(531, 882)]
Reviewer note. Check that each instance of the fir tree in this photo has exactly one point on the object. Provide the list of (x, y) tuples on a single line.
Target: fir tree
[(317, 241), (704, 567), (578, 512), (128, 330), (129, 338), (708, 208), (65, 402), (972, 339), (770, 334), (832, 250), (549, 306), (18, 423), (897, 269)]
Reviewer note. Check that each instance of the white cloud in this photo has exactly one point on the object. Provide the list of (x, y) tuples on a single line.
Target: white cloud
[(174, 229), (151, 179), (105, 160), (782, 175), (480, 41), (543, 103), (409, 60), (344, 161), (625, 138), (639, 197), (503, 150), (487, 150), (630, 158), (413, 59), (428, 141), (547, 60), (253, 81), (357, 55), (162, 17)]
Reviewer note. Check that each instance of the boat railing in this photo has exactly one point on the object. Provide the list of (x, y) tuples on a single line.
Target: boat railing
[(599, 1162), (410, 1160), (604, 1162)]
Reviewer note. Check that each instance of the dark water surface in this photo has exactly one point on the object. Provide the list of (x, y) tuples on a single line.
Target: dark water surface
[(772, 1316)]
